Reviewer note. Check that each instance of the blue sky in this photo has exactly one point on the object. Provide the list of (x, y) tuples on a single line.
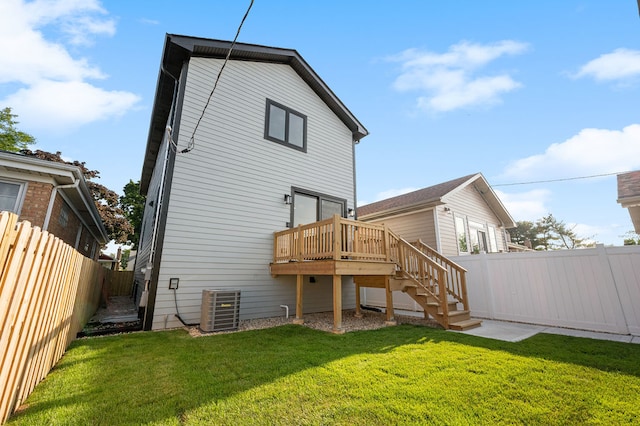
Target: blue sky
[(519, 91)]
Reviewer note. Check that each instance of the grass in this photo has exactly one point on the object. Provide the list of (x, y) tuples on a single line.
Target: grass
[(295, 375)]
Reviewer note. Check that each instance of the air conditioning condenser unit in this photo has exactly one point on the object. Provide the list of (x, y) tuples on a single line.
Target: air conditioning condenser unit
[(220, 310)]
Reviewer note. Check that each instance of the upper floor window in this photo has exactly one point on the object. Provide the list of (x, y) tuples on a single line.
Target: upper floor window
[(10, 196), (285, 126)]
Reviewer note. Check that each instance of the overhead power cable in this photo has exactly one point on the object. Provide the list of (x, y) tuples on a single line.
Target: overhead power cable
[(192, 140), (556, 180)]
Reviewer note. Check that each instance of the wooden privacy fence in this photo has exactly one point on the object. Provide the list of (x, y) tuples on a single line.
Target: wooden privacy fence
[(119, 283), (48, 291)]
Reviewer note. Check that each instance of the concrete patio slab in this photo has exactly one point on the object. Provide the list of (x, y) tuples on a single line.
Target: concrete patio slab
[(625, 338), (502, 330), (515, 332)]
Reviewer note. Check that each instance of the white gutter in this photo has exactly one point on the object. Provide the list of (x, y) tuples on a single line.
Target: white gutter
[(52, 199)]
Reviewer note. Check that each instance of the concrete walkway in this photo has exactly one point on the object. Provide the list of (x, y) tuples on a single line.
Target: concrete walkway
[(514, 332)]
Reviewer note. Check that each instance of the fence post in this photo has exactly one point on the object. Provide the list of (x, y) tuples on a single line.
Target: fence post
[(618, 311)]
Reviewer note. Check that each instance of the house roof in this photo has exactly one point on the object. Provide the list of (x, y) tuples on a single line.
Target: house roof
[(64, 177), (629, 195), (436, 195), (179, 48)]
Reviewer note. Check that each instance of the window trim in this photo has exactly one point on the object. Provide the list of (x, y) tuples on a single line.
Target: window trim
[(320, 196), (22, 191), (288, 111)]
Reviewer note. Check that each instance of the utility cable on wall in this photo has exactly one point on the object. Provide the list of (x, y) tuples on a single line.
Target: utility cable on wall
[(192, 140)]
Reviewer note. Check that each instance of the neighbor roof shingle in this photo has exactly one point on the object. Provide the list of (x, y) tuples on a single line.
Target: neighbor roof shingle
[(421, 196)]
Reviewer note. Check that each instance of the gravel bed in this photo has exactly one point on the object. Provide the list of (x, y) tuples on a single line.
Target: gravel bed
[(324, 321)]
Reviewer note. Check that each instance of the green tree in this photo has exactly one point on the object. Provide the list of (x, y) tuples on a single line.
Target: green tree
[(548, 233), (107, 201), (132, 203), (631, 238), (555, 234), (12, 139), (124, 258), (524, 232)]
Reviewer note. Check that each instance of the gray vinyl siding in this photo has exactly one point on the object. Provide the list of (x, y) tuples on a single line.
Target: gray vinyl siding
[(467, 201), (227, 193), (148, 221), (413, 226)]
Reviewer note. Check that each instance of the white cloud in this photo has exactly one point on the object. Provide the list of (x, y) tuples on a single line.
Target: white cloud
[(618, 65), (529, 205), (148, 21), (452, 80), (41, 105), (43, 68), (592, 151)]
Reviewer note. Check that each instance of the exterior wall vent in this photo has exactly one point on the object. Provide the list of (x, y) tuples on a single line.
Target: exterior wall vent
[(220, 310)]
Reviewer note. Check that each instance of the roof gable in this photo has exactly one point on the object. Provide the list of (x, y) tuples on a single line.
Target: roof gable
[(178, 49)]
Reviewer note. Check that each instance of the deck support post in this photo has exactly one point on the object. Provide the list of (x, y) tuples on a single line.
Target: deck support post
[(391, 320), (299, 287), (358, 313), (337, 304)]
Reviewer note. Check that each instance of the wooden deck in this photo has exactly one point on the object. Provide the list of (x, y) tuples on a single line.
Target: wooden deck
[(375, 257), (334, 267)]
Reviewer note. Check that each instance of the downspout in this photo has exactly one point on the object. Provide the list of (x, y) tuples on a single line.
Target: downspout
[(52, 199), (355, 194)]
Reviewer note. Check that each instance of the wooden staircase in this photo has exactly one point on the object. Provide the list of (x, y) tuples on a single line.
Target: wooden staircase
[(436, 283), (376, 257)]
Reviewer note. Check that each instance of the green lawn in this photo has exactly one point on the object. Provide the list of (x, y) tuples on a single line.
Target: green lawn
[(295, 375)]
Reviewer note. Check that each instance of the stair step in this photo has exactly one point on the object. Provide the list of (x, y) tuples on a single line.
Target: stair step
[(457, 316), (457, 313), (465, 325), (453, 307)]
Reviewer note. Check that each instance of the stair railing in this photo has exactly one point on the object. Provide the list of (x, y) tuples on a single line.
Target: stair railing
[(456, 281), (429, 276)]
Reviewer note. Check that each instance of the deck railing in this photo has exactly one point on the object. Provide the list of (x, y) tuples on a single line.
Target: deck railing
[(456, 275), (345, 239), (336, 238)]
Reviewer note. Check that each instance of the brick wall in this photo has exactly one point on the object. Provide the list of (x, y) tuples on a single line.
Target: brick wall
[(65, 225), (36, 202)]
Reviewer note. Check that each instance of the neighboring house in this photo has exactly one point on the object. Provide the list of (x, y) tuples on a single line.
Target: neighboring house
[(274, 149), (629, 196), (53, 196), (457, 217), (107, 261)]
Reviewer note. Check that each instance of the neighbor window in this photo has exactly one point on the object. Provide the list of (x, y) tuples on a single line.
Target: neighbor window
[(10, 196), (285, 126), (461, 235), (64, 216)]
